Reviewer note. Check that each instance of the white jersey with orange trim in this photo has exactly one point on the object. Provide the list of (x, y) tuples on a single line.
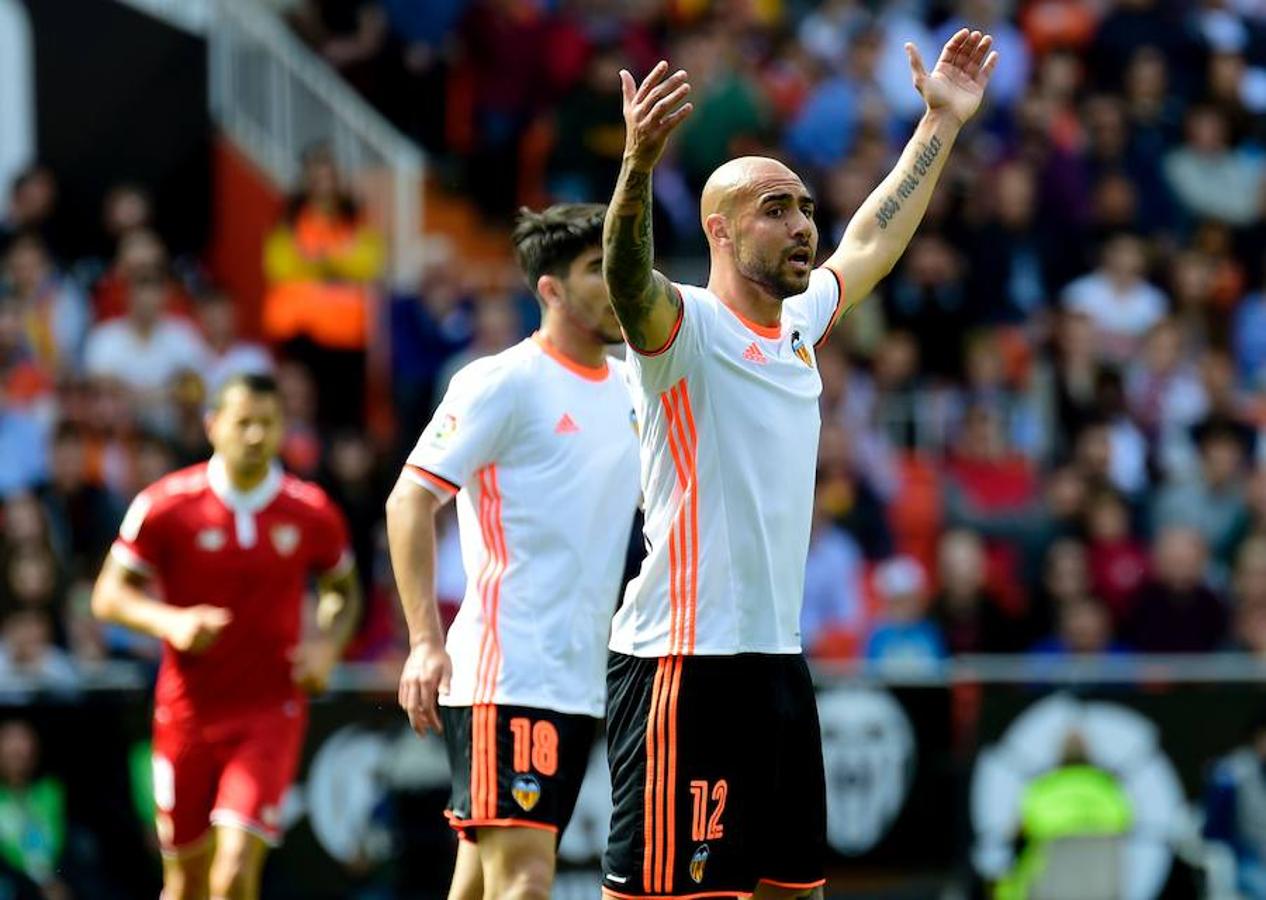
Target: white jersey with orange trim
[(542, 455), (729, 441)]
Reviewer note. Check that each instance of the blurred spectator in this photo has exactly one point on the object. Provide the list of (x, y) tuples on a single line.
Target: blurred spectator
[(1209, 176), (27, 652), (23, 448), (1175, 611), (33, 820), (229, 355), (904, 638), (1083, 628), (125, 208), (1008, 255), (588, 132), (1248, 591), (834, 617), (301, 444), (926, 298), (322, 262), (1130, 26), (139, 254), (32, 205), (965, 611), (1211, 502), (25, 382), (349, 34), (1120, 303), (54, 311), (1236, 785), (496, 327), (145, 350), (1248, 331), (1163, 386), (1117, 560), (83, 516), (845, 496), (822, 134)]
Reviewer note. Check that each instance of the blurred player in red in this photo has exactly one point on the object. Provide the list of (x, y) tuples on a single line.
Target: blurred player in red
[(215, 560)]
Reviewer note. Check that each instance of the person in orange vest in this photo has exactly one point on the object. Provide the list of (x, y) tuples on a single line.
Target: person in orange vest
[(322, 262)]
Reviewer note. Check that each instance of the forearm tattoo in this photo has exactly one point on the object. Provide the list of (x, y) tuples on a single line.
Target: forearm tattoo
[(628, 252), (910, 182)]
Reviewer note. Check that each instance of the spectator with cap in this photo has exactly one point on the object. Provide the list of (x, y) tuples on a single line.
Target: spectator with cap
[(904, 637)]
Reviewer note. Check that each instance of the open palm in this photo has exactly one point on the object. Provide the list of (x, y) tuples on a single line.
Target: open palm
[(957, 83)]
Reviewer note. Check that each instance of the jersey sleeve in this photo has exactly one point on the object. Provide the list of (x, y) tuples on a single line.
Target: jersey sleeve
[(658, 370), (331, 552), (138, 547), (820, 303), (468, 430)]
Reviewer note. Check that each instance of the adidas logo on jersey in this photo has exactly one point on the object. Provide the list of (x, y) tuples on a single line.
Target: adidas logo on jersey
[(566, 425), (752, 354)]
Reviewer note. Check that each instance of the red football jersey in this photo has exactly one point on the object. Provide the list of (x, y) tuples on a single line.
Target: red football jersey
[(252, 553)]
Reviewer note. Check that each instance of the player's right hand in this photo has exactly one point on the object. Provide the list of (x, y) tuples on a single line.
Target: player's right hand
[(195, 628), (651, 111), (426, 675)]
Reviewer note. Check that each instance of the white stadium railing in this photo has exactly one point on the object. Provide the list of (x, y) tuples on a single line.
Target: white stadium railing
[(273, 97)]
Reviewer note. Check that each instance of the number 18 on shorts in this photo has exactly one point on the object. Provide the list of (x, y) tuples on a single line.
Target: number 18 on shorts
[(514, 766)]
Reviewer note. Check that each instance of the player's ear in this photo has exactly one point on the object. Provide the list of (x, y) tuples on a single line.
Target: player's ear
[(718, 228), (550, 290)]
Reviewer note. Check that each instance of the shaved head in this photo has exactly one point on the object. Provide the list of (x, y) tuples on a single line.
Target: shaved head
[(758, 217), (744, 177)]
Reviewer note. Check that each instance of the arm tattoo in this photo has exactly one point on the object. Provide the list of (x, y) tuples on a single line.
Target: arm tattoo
[(922, 163), (628, 250)]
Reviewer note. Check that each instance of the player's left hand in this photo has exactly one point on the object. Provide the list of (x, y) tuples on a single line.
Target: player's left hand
[(957, 83), (312, 662)]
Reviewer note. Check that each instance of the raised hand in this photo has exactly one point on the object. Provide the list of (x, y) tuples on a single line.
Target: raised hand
[(957, 83), (196, 628), (651, 111)]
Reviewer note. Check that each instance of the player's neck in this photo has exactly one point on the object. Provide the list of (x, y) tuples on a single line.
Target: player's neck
[(747, 298), (245, 480), (579, 347)]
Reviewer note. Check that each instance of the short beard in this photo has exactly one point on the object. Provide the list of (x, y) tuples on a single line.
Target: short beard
[(768, 275)]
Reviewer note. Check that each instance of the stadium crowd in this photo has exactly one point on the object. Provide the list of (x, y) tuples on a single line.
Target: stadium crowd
[(1040, 437)]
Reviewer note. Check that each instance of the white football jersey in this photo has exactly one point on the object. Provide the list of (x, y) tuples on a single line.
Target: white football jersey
[(542, 455), (729, 440)]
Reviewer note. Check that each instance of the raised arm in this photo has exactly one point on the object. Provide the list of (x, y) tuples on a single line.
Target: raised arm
[(881, 229), (643, 299), (411, 512)]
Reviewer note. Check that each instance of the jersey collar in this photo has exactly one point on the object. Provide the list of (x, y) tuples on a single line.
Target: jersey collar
[(251, 501), (589, 373)]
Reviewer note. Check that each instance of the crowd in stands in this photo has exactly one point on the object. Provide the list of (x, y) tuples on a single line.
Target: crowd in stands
[(1042, 435)]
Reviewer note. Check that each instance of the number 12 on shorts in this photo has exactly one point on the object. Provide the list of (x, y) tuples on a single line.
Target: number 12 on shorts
[(535, 746), (706, 827)]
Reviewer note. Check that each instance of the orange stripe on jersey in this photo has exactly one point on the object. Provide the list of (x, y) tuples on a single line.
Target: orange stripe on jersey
[(676, 531), (648, 817), (835, 313), (692, 468), (670, 826), (489, 584), (661, 766), (490, 803), (442, 483), (499, 539), (476, 762)]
